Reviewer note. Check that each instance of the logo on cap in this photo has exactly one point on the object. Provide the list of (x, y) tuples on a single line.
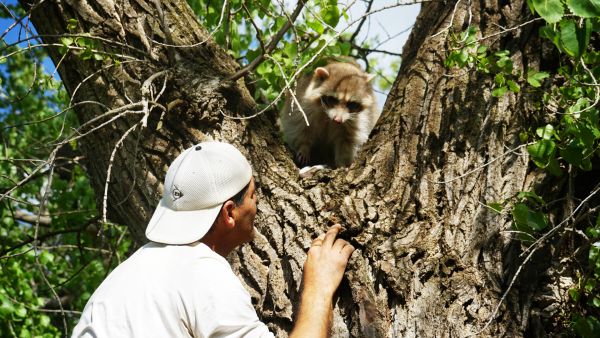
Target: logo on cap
[(176, 193)]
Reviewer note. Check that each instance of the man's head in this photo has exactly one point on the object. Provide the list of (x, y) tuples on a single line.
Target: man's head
[(199, 184)]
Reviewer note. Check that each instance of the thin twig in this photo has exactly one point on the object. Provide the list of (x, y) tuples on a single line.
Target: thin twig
[(451, 20), (108, 171), (201, 42), (272, 44), (166, 31), (146, 91), (362, 22), (259, 36), (289, 89)]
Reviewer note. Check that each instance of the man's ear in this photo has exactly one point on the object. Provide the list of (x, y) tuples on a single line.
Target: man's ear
[(227, 214)]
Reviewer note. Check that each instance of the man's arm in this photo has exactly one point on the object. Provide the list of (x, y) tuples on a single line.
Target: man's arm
[(323, 272)]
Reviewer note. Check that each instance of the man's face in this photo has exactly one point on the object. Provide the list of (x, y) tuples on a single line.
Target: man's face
[(245, 214)]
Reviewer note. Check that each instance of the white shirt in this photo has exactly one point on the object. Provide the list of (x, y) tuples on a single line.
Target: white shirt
[(171, 291)]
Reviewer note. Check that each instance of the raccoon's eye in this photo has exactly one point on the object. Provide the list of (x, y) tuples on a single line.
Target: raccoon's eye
[(329, 101), (353, 107)]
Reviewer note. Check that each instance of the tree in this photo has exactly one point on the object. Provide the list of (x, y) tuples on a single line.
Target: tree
[(433, 258)]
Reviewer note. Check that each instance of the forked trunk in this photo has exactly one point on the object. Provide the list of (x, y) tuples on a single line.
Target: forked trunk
[(432, 259)]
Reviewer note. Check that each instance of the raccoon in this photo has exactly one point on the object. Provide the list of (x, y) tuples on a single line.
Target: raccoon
[(341, 110)]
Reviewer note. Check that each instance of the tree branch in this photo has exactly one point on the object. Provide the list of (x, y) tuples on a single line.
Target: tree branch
[(271, 46), (361, 23), (22, 216), (48, 235)]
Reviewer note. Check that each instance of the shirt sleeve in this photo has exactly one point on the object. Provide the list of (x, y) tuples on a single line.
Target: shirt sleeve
[(218, 306)]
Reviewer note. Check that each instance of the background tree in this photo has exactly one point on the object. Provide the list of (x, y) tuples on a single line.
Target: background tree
[(421, 201)]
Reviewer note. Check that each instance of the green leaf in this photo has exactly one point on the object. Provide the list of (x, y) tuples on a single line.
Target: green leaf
[(463, 56), (513, 86), (21, 312), (587, 327), (584, 34), (264, 68), (584, 8), (316, 26), (519, 215), (593, 253), (523, 136), (551, 10), (537, 221), (66, 41), (531, 196), (541, 152), (499, 91), (535, 78), (44, 321), (497, 207), (345, 48), (291, 50), (574, 293), (590, 284), (72, 24), (550, 33), (345, 14), (46, 257), (570, 39), (527, 220), (499, 79), (530, 5), (331, 15), (546, 132), (572, 153)]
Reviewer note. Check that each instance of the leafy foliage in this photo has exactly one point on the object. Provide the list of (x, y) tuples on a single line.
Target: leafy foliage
[(570, 139), (49, 248)]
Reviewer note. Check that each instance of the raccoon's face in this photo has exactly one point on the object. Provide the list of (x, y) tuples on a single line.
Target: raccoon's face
[(340, 109), (342, 90)]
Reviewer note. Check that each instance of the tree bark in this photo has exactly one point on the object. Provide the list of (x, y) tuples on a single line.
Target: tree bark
[(431, 261)]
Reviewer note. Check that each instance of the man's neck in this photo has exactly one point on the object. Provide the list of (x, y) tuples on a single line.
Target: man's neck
[(216, 246)]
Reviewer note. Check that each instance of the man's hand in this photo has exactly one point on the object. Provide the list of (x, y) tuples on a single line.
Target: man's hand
[(326, 262), (323, 272)]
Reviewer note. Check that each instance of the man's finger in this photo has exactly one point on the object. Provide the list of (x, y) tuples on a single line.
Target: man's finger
[(347, 251), (339, 244), (330, 235)]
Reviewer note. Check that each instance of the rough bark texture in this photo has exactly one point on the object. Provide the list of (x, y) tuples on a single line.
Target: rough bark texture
[(432, 259)]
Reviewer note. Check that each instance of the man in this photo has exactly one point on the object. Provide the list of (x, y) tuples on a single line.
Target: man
[(180, 285)]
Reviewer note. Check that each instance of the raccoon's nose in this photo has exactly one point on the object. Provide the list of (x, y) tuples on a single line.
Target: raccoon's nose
[(337, 119)]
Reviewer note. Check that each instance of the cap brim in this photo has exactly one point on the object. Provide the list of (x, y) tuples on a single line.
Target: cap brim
[(180, 227)]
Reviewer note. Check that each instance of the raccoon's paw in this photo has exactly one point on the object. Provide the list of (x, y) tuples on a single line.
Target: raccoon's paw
[(303, 155)]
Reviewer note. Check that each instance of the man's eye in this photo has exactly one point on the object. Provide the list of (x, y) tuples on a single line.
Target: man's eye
[(353, 107), (329, 101)]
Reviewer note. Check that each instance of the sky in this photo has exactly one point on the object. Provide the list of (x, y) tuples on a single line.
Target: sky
[(392, 25)]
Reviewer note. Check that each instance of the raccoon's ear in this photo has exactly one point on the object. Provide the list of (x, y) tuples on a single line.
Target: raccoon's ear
[(321, 73), (370, 77)]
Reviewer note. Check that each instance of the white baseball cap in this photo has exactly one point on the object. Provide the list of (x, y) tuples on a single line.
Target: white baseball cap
[(197, 184)]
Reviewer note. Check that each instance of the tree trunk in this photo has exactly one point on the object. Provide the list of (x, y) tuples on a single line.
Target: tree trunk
[(432, 259)]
